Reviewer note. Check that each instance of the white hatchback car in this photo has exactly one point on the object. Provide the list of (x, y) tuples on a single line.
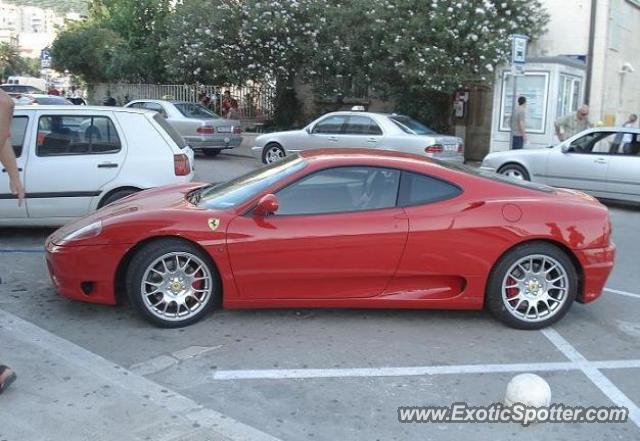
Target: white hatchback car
[(76, 159)]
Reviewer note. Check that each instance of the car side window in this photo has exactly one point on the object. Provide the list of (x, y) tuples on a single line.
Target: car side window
[(137, 105), (18, 133), (628, 144), (331, 125), (596, 143), (417, 189), (362, 125), (156, 107), (340, 190), (61, 135)]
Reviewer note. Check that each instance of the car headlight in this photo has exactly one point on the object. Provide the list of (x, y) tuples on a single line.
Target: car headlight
[(92, 230)]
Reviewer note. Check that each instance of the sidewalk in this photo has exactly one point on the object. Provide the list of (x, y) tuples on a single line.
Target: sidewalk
[(64, 392)]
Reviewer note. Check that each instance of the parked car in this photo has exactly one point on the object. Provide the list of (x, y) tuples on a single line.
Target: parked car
[(39, 99), (20, 88), (76, 159), (201, 128), (354, 129), (603, 161), (350, 228)]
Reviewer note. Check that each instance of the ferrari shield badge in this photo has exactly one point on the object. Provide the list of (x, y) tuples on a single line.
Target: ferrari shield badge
[(214, 223)]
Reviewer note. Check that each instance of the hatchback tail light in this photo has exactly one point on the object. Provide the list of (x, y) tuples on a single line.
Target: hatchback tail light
[(181, 165), (435, 148), (206, 130), (237, 130)]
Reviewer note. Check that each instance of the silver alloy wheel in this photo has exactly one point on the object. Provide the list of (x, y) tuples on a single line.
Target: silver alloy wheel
[(176, 286), (513, 173), (273, 154), (535, 288)]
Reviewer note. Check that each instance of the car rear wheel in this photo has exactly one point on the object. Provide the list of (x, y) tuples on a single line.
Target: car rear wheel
[(211, 152), (117, 195), (172, 283), (532, 286), (515, 171), (272, 152)]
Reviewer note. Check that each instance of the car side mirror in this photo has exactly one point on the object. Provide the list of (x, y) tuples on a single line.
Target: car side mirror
[(566, 148), (268, 204)]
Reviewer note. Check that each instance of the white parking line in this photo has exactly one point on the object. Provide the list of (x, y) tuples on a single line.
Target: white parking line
[(622, 293), (413, 371), (591, 371)]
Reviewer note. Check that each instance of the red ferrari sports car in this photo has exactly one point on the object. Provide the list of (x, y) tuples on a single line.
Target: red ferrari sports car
[(342, 228)]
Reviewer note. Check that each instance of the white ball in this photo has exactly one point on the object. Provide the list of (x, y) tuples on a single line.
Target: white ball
[(528, 389)]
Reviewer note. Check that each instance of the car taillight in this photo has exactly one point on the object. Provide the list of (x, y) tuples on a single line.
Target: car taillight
[(206, 130), (237, 130), (435, 148), (181, 164)]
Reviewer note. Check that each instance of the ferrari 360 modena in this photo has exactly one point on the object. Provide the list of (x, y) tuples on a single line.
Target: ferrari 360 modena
[(341, 229)]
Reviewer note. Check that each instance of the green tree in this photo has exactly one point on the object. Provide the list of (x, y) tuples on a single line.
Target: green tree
[(11, 63)]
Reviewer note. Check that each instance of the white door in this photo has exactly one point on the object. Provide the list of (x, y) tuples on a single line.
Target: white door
[(584, 165), (326, 133), (9, 208), (361, 132), (75, 155), (623, 175)]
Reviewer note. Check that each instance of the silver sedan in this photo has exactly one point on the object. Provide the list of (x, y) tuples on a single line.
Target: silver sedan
[(201, 128), (360, 130), (603, 161)]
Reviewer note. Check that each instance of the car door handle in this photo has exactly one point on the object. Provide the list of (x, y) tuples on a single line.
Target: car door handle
[(107, 165), (4, 170), (333, 138), (600, 161), (372, 140)]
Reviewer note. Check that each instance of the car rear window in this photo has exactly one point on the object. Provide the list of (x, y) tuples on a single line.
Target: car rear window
[(175, 136), (191, 110)]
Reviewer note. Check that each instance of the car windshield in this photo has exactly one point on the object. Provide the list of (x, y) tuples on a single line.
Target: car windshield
[(494, 176), (192, 110), (411, 126), (241, 189)]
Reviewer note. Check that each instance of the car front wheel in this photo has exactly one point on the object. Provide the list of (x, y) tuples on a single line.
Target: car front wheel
[(515, 171), (172, 283), (272, 152), (532, 286)]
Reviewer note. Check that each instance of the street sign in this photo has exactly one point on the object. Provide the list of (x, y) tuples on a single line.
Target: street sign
[(45, 58), (519, 49)]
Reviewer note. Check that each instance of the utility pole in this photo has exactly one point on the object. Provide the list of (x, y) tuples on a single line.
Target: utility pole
[(518, 60)]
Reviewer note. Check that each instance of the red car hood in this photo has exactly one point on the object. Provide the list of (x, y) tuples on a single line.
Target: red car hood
[(155, 199)]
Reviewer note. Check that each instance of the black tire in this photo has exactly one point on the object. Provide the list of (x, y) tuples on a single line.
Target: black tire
[(117, 195), (516, 171), (272, 147), (211, 152), (141, 262), (497, 306)]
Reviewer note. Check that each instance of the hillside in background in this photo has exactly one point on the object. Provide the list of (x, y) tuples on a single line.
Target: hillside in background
[(57, 5)]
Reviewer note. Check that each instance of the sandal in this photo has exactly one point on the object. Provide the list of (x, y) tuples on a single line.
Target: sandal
[(8, 380)]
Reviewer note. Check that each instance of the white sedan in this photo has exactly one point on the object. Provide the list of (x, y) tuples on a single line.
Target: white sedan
[(603, 161), (76, 159), (353, 129)]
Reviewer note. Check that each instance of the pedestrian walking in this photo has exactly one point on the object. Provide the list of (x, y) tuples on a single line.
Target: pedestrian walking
[(8, 161), (519, 125), (631, 121), (227, 102), (573, 123), (233, 112)]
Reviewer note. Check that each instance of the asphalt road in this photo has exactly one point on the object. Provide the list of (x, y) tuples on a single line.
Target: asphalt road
[(101, 373)]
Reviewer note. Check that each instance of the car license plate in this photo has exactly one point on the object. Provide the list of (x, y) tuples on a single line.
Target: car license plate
[(451, 147), (225, 129)]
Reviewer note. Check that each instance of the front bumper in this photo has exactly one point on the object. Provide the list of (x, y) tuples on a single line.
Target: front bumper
[(596, 264), (220, 142), (85, 273)]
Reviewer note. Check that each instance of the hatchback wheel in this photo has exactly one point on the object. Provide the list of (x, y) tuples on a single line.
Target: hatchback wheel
[(515, 171), (532, 286), (172, 283), (272, 152)]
